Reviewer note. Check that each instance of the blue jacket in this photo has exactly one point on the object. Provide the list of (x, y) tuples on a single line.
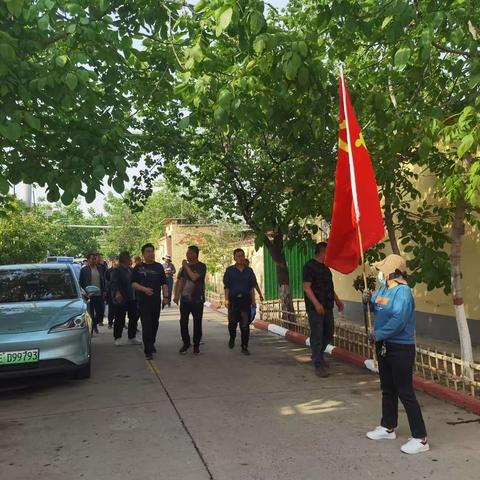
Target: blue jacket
[(394, 314)]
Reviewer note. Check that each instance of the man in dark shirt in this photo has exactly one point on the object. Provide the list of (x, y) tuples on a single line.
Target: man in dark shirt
[(111, 308), (123, 300), (320, 298), (190, 289), (102, 270), (239, 282), (149, 280), (90, 275)]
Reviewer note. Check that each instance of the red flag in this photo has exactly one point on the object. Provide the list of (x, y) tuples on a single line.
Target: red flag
[(356, 201)]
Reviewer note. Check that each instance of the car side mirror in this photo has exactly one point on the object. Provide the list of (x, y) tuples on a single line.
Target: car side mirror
[(92, 290)]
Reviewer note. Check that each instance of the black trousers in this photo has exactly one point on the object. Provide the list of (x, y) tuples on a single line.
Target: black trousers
[(322, 329), (120, 312), (111, 312), (396, 381), (196, 309), (150, 317), (97, 309), (239, 314)]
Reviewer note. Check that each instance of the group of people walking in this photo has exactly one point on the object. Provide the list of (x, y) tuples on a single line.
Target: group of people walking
[(142, 291), (141, 287)]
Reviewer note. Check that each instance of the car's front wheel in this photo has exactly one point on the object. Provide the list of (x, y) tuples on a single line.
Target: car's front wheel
[(85, 371)]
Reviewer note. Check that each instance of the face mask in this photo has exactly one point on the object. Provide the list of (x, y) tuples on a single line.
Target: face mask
[(381, 278)]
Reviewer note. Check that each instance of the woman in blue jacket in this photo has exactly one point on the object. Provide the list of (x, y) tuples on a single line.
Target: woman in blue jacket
[(394, 335)]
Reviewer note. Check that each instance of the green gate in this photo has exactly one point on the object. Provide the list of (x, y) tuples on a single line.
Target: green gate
[(296, 257)]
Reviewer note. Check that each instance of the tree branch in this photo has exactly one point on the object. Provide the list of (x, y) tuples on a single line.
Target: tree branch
[(455, 51)]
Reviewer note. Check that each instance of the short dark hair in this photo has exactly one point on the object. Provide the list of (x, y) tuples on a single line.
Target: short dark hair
[(90, 255), (194, 248), (124, 256), (320, 247), (147, 245), (237, 250)]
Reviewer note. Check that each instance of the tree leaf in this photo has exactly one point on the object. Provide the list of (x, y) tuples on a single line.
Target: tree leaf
[(67, 198), (7, 52), (32, 121), (99, 171), (302, 48), (4, 185), (184, 122), (303, 76), (43, 22), (465, 145), (61, 60), (12, 131), (15, 7), (71, 81), (118, 185), (257, 23), (259, 44), (401, 58), (220, 115), (225, 18)]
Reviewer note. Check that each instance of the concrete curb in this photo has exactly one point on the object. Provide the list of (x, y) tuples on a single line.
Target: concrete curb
[(434, 389), (427, 386)]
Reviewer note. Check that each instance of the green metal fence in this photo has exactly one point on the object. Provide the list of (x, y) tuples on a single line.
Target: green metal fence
[(296, 257)]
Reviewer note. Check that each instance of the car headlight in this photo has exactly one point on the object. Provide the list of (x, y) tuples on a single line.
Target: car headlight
[(74, 323)]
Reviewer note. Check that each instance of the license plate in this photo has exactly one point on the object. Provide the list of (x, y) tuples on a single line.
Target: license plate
[(19, 356)]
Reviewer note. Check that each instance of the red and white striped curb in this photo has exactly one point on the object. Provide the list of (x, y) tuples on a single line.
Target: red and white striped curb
[(434, 389)]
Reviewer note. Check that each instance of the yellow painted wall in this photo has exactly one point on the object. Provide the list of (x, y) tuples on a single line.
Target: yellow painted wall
[(436, 302)]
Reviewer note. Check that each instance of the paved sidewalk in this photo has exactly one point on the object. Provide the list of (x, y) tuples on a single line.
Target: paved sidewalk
[(219, 415)]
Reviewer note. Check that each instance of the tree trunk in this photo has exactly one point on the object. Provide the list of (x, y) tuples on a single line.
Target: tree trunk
[(390, 224), (275, 248), (458, 229)]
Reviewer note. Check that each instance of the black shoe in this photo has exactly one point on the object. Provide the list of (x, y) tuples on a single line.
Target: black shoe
[(184, 349), (95, 329), (245, 351), (110, 327), (196, 349), (231, 343), (325, 364), (101, 324), (321, 372), (148, 356)]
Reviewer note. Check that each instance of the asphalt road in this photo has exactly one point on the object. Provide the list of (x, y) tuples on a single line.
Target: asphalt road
[(219, 415)]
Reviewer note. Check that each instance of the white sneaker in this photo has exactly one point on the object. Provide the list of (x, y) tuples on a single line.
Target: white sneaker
[(381, 433), (134, 341), (415, 445), (118, 342)]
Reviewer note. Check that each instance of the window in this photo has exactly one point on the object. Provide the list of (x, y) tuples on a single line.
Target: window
[(35, 285)]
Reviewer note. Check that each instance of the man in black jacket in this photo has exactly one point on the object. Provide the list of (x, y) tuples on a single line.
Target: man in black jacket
[(90, 275), (111, 309), (123, 300)]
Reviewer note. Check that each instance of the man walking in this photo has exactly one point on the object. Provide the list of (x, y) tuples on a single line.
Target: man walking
[(190, 288), (123, 300), (170, 271), (109, 298), (239, 282), (148, 279), (320, 298), (91, 276)]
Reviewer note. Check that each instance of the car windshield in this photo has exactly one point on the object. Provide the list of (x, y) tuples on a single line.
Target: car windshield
[(35, 285)]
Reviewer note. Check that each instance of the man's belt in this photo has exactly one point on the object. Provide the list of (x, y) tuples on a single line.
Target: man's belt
[(241, 295)]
